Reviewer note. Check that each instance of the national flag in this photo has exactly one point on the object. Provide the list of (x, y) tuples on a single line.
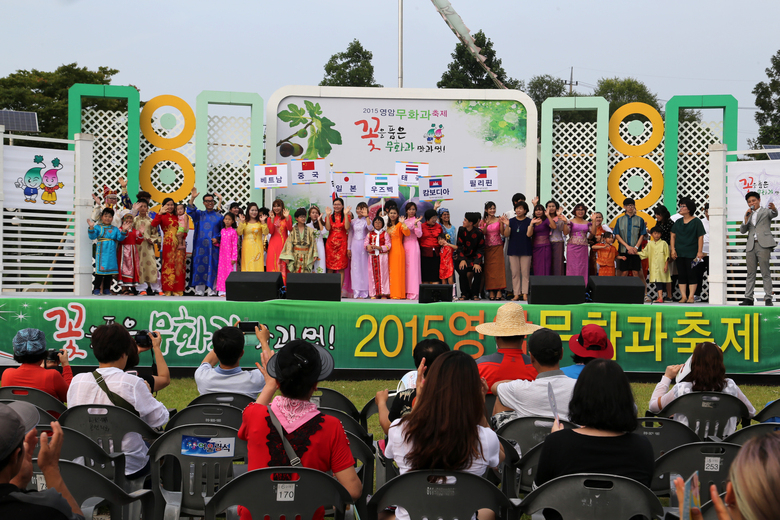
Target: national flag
[(481, 174), (412, 169), (346, 179), (270, 170), (435, 183), (381, 181), (307, 165)]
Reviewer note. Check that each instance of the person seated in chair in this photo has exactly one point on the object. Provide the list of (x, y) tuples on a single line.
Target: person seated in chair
[(30, 350), (220, 370)]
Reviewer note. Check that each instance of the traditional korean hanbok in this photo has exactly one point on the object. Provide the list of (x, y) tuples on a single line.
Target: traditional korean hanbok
[(378, 263), (205, 256), (300, 250), (105, 250)]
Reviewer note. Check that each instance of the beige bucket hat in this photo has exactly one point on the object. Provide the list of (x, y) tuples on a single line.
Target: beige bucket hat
[(510, 321)]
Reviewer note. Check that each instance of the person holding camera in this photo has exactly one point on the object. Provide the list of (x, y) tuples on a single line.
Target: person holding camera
[(30, 350), (220, 370), (158, 376)]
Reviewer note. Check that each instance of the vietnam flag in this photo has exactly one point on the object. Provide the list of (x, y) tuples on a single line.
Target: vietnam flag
[(270, 170), (307, 165)]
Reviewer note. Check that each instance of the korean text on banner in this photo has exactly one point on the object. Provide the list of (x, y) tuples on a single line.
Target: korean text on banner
[(408, 172), (38, 178), (307, 171), (762, 177), (269, 176), (381, 185), (348, 184), (438, 187), (480, 178)]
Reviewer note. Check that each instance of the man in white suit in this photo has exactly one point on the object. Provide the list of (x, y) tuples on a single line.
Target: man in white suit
[(760, 244)]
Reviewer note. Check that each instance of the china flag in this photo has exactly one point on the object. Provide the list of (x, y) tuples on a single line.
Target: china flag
[(307, 165), (270, 170)]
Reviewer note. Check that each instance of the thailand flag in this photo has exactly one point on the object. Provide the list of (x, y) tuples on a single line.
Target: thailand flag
[(307, 165), (270, 170), (481, 174), (412, 169), (435, 183)]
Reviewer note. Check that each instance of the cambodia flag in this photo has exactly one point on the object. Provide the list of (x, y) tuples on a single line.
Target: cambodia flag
[(307, 165), (270, 170), (435, 183), (481, 174)]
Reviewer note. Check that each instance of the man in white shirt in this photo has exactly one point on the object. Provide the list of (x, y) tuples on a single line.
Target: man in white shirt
[(220, 370), (521, 398), (111, 344)]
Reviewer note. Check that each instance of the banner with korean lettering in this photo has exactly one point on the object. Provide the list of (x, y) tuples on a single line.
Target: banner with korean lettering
[(382, 185), (408, 172), (269, 176), (480, 178), (762, 177), (348, 184), (377, 335), (439, 187), (304, 171)]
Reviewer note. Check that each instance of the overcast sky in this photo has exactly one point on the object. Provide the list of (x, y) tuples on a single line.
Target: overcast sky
[(184, 47)]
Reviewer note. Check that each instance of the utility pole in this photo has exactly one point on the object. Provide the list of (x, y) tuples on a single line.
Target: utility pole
[(400, 43), (571, 82)]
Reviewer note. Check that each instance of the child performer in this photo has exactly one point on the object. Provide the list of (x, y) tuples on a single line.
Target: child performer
[(657, 253), (300, 249), (184, 226), (228, 251), (606, 254), (107, 236), (377, 243), (128, 256)]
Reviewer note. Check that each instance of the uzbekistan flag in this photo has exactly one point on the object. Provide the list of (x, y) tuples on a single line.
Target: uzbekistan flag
[(307, 165), (270, 170), (481, 174), (381, 181), (434, 183)]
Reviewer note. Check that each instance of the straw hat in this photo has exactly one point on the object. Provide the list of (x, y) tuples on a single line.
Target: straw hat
[(510, 321)]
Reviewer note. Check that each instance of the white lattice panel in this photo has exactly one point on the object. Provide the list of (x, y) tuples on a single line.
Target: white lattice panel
[(109, 152), (693, 160), (574, 165), (228, 158)]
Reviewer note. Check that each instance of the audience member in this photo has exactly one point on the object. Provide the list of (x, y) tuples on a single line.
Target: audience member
[(109, 385), (707, 374), (220, 370), (509, 362), (30, 350), (520, 398), (591, 343), (18, 437), (158, 376)]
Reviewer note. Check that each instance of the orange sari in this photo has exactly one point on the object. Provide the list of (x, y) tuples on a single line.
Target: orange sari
[(397, 260)]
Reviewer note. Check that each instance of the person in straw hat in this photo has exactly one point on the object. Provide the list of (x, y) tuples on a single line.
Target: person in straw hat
[(509, 362), (591, 343)]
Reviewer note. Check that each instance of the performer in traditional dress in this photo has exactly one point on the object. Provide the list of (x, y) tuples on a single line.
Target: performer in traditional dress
[(378, 244), (205, 256), (300, 250), (107, 236), (412, 251), (495, 272), (149, 278), (577, 248), (430, 250), (451, 246), (397, 258), (359, 228), (174, 266), (279, 225), (316, 223), (128, 258), (228, 251), (253, 230), (118, 201), (539, 229), (337, 222), (606, 254), (557, 243)]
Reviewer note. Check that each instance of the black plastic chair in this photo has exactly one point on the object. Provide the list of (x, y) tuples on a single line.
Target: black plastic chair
[(370, 409), (585, 496), (364, 455), (490, 402), (526, 469), (527, 432), (34, 396), (708, 413), (745, 434), (506, 474), (425, 494), (225, 415), (259, 491), (665, 434), (238, 400), (350, 424), (711, 459), (386, 470), (201, 476), (708, 510), (44, 417), (328, 398), (770, 411)]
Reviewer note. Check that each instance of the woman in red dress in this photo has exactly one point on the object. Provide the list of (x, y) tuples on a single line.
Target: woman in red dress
[(279, 226), (337, 223), (173, 259)]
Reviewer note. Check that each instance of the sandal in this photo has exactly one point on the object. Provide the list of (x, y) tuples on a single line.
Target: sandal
[(462, 299), (516, 299)]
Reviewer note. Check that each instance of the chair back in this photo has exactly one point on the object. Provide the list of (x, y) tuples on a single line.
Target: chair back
[(106, 424), (711, 459), (664, 434), (325, 397), (708, 511), (223, 414), (708, 413), (596, 496), (277, 492), (506, 474), (364, 456), (350, 423), (757, 430), (34, 396), (204, 466), (490, 402), (44, 417), (370, 409), (770, 411), (440, 494), (526, 469), (237, 400), (527, 432)]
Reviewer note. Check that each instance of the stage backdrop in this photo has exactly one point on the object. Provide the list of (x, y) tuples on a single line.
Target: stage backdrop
[(763, 177), (367, 130), (372, 335)]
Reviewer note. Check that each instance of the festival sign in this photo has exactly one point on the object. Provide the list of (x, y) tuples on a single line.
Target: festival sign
[(304, 171), (480, 178), (268, 176), (208, 447), (383, 185), (38, 178), (374, 335), (439, 187), (348, 184), (409, 172), (763, 177)]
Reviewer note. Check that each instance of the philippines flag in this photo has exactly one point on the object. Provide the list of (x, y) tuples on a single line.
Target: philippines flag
[(434, 183), (412, 169), (270, 170), (307, 165), (481, 174)]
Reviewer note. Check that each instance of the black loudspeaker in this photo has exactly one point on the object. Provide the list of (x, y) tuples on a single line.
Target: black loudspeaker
[(435, 292), (616, 289), (560, 290), (253, 287), (325, 287)]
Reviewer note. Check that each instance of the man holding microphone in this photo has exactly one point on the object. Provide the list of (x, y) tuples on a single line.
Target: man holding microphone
[(760, 243)]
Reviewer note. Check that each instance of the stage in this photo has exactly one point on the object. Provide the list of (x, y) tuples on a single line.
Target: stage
[(380, 334)]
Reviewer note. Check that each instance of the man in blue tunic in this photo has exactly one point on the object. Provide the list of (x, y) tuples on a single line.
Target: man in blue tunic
[(205, 256)]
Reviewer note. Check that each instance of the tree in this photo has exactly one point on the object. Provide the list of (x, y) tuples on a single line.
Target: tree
[(768, 102), (465, 72), (352, 68), (621, 91), (46, 93)]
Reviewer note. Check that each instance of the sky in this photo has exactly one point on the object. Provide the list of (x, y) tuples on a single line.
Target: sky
[(690, 47)]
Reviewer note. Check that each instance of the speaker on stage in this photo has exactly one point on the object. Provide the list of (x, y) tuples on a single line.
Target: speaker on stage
[(435, 292), (560, 290), (616, 289), (325, 287), (253, 286)]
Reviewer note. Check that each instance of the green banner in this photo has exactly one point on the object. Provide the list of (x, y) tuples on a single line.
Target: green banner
[(376, 335)]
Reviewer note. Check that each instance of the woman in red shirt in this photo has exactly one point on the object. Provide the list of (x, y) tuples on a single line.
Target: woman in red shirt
[(30, 350), (430, 248)]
